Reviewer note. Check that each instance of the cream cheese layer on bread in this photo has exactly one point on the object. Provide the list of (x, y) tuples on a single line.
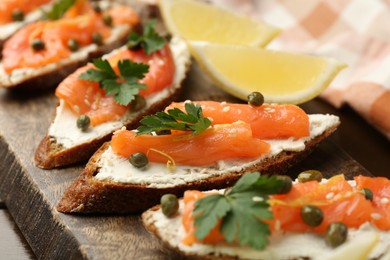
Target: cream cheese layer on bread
[(115, 168), (282, 245), (18, 76), (64, 132)]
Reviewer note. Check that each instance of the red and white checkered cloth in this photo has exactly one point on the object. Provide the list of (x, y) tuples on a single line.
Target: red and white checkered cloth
[(356, 32)]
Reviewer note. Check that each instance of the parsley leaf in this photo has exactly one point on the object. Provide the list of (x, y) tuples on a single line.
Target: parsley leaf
[(150, 41), (175, 119), (214, 207), (123, 87), (59, 9), (241, 214)]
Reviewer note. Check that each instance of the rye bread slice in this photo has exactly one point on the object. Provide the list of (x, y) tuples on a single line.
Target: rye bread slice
[(88, 194), (50, 75), (51, 153)]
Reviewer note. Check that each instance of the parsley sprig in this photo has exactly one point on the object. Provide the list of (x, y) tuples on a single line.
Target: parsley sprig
[(58, 9), (150, 40), (176, 119), (241, 209), (123, 87)]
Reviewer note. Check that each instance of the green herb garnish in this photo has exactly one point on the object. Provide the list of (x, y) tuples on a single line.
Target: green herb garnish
[(58, 9), (242, 210), (175, 119), (123, 87), (150, 41)]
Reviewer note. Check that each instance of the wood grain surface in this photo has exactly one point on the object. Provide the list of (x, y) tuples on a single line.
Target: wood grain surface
[(31, 193)]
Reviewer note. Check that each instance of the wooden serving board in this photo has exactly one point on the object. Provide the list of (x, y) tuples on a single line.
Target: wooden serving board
[(31, 194)]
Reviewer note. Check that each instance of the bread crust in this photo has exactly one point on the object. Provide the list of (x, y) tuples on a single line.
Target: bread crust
[(2, 41), (89, 195)]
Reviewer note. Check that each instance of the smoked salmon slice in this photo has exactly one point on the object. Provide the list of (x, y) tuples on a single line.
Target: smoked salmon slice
[(338, 200), (79, 23), (222, 142), (7, 7), (380, 188), (223, 116), (86, 97), (267, 121)]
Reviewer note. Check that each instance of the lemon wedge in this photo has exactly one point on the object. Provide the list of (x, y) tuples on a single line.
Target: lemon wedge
[(281, 77), (198, 21)]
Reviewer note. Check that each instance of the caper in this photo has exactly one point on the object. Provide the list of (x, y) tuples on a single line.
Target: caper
[(17, 15), (336, 234), (97, 38), (287, 184), (169, 204), (83, 122), (312, 215), (367, 193), (139, 160), (73, 45), (138, 103), (96, 7), (163, 132), (37, 44), (134, 42), (255, 99), (107, 19), (310, 175)]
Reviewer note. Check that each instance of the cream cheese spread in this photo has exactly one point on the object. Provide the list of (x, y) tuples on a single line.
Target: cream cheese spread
[(156, 175), (64, 129)]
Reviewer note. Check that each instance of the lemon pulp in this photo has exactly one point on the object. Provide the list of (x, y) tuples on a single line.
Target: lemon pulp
[(281, 77)]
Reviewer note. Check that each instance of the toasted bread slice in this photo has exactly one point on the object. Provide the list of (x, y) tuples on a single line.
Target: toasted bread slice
[(7, 30), (109, 183), (51, 74), (65, 144), (367, 242)]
